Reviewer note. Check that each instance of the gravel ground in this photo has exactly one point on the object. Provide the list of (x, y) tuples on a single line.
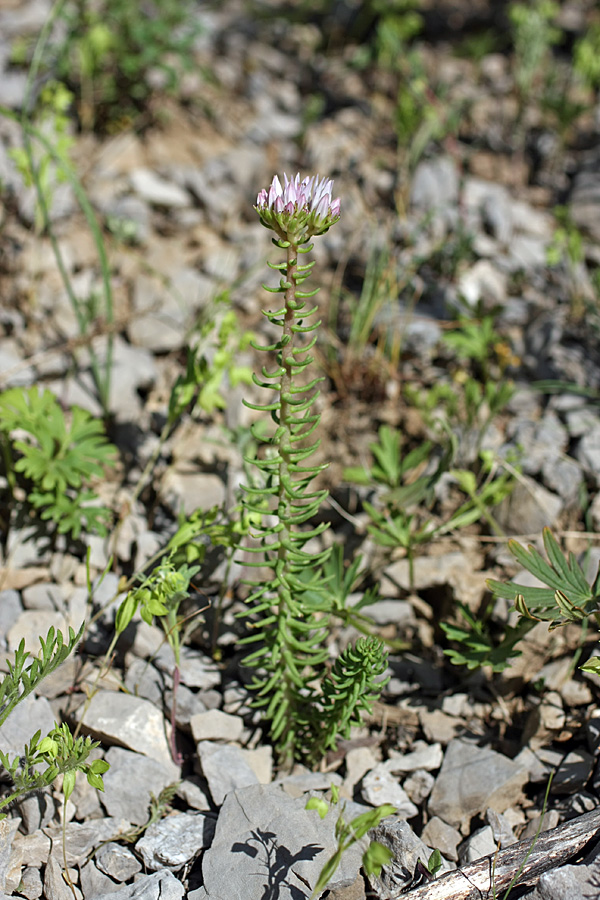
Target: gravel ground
[(465, 225)]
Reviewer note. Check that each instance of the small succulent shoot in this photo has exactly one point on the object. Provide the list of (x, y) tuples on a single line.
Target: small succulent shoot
[(289, 611)]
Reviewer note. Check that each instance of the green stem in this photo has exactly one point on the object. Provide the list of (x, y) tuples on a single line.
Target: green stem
[(285, 447)]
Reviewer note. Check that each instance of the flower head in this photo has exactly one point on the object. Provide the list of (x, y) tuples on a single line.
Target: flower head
[(299, 209)]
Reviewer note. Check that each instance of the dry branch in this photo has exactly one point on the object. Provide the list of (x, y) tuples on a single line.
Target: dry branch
[(479, 879)]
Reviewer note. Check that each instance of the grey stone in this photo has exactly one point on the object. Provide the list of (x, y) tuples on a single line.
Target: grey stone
[(418, 785), (99, 552), (573, 773), (105, 590), (188, 705), (490, 205), (13, 88), (34, 848), (10, 610), (11, 358), (128, 217), (304, 782), (132, 369), (437, 834), (215, 725), (36, 811), (359, 761), (435, 184), (427, 572), (94, 883), (483, 283), (264, 839), (529, 508), (62, 200), (161, 318), (584, 202), (43, 595), (188, 491), (193, 288), (565, 477), (175, 841), (219, 199), (407, 849), (55, 886), (198, 670), (471, 779), (439, 727), (191, 792), (83, 838), (31, 885), (130, 722), (117, 861), (158, 886), (422, 756), (576, 693), (158, 191), (565, 883), (501, 828), (385, 612), (143, 680), (480, 843), (378, 787), (271, 123), (33, 624), (10, 857), (29, 715), (543, 441), (549, 820), (147, 544), (529, 250), (130, 781), (580, 420), (225, 768), (588, 452)]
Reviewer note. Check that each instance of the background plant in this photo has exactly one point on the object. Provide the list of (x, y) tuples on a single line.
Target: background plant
[(212, 360), (52, 458), (403, 515), (38, 165), (534, 34), (41, 158), (110, 52), (567, 597)]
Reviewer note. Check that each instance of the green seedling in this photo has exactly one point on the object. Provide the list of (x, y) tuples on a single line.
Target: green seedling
[(350, 833)]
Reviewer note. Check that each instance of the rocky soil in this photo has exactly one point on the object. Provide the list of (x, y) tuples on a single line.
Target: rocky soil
[(465, 225)]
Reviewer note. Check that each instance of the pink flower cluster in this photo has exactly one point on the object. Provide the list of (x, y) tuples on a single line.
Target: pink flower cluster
[(299, 209), (311, 194)]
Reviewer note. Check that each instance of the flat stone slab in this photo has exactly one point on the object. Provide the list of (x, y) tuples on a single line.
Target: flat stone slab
[(267, 844), (472, 779)]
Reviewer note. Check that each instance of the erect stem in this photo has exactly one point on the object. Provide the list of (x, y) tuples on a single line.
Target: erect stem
[(287, 363)]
